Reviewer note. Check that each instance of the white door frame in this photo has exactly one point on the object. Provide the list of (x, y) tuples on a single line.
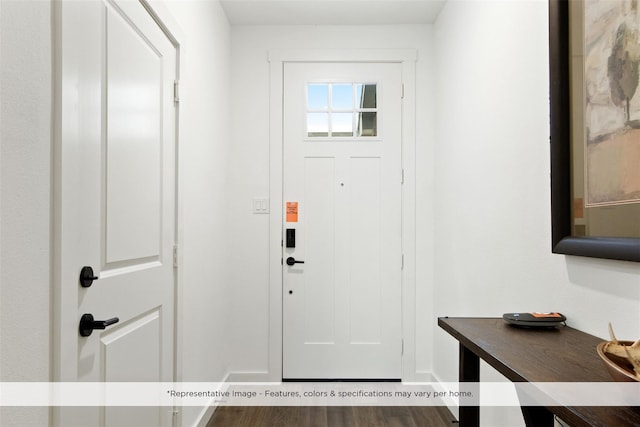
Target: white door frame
[(64, 361), (277, 58)]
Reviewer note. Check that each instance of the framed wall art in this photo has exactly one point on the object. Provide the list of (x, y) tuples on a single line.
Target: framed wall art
[(594, 59)]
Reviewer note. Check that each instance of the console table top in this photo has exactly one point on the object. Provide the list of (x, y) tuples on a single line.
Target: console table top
[(562, 354)]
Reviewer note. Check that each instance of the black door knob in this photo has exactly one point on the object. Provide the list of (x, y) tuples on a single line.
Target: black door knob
[(87, 324), (291, 260), (87, 277)]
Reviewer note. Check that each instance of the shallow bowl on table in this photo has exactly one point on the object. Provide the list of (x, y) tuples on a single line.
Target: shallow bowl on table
[(619, 368)]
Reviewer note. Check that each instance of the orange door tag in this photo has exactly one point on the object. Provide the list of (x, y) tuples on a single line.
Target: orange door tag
[(292, 211), (545, 314)]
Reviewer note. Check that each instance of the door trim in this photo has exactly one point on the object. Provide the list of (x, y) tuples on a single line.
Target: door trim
[(277, 58), (63, 309)]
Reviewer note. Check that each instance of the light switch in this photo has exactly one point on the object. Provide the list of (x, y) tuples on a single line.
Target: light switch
[(261, 205)]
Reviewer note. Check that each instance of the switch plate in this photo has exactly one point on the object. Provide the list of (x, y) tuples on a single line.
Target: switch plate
[(261, 205)]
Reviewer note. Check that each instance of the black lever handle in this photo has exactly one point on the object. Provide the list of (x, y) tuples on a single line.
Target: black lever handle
[(87, 277), (291, 260), (87, 324)]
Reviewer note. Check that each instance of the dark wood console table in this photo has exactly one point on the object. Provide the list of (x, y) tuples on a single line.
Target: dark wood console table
[(535, 355)]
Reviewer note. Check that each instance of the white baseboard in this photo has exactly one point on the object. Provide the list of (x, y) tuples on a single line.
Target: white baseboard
[(232, 377), (206, 415), (207, 412), (449, 402), (249, 377), (421, 377)]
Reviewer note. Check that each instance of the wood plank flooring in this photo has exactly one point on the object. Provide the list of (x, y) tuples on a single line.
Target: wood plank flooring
[(332, 416)]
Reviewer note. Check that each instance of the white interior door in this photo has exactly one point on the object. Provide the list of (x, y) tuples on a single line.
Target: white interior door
[(342, 190), (116, 206)]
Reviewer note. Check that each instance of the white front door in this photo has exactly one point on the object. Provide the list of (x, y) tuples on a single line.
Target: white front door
[(115, 204), (342, 194)]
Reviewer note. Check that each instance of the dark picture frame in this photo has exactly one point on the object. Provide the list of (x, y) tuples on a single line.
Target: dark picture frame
[(563, 242)]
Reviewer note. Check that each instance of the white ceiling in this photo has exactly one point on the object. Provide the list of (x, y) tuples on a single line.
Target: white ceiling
[(331, 12)]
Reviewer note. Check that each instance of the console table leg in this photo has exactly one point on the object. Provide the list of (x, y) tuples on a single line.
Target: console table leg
[(537, 416), (469, 371)]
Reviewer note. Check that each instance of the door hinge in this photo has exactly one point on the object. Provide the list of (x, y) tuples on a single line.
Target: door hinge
[(175, 256), (402, 94), (402, 177), (402, 348), (176, 91), (402, 266)]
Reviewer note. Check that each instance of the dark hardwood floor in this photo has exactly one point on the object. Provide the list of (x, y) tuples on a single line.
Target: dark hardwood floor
[(332, 416)]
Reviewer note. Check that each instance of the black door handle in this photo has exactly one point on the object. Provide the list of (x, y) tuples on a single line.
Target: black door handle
[(87, 324), (87, 277), (291, 260)]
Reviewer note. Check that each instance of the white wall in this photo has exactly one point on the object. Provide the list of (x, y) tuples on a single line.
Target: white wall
[(493, 189), (25, 173), (249, 171), (204, 152), (25, 191)]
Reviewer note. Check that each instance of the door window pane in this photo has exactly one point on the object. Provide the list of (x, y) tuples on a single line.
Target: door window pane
[(342, 110), (342, 97), (342, 124), (368, 124), (366, 95), (317, 97), (317, 124)]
